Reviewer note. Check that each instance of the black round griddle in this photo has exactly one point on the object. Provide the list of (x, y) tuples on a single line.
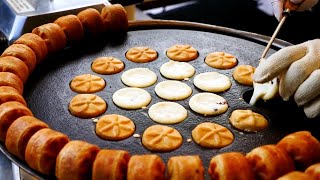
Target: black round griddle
[(48, 94)]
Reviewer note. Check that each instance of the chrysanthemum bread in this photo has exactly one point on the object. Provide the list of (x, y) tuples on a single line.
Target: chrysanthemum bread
[(92, 22), (15, 66), (72, 28), (75, 161), (114, 127), (230, 165), (107, 65), (36, 43), (87, 83), (182, 52), (87, 106), (9, 112), (212, 135), (8, 93), (185, 167), (161, 138), (221, 60), (115, 18), (53, 36), (149, 166), (43, 148), (243, 74), (302, 147), (22, 52), (12, 80), (141, 54), (19, 133), (247, 120), (110, 164), (268, 166)]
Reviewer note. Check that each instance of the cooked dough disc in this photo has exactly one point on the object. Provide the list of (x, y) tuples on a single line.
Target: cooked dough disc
[(173, 90), (139, 77), (167, 112), (208, 104), (212, 82), (177, 70), (131, 98)]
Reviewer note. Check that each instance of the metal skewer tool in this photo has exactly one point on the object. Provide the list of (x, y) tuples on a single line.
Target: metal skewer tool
[(289, 7)]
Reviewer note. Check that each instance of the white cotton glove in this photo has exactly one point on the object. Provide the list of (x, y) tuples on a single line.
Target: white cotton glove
[(278, 6), (298, 70)]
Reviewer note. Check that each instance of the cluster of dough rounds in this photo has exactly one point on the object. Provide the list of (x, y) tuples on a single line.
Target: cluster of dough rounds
[(52, 153)]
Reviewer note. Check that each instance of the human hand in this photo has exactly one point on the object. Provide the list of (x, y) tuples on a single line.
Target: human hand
[(278, 6), (298, 70)]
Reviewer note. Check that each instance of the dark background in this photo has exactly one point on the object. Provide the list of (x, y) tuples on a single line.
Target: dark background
[(243, 15)]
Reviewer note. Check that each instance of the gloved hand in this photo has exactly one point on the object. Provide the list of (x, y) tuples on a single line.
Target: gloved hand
[(298, 70), (278, 6)]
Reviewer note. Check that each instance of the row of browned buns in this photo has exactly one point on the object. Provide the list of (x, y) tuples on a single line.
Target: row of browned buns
[(51, 152)]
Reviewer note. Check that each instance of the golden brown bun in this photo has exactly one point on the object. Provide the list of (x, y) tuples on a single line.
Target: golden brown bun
[(185, 167), (91, 21), (12, 80), (8, 93), (43, 148), (22, 52), (53, 36), (15, 66), (149, 167), (75, 161), (19, 133), (314, 171), (36, 43), (231, 165), (270, 162), (110, 165), (72, 28), (295, 175), (9, 112), (303, 148), (115, 18)]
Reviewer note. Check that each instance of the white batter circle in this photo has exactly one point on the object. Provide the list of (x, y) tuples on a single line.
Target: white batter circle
[(167, 113), (208, 104), (212, 82), (131, 98), (177, 70), (139, 77), (173, 90)]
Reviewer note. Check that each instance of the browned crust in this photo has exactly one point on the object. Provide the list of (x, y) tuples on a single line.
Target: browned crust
[(110, 164), (22, 52), (19, 133), (115, 18), (149, 167), (185, 167), (15, 66), (270, 162), (72, 28), (8, 93), (53, 36), (36, 43), (92, 22), (231, 165), (12, 80), (43, 148), (302, 147), (9, 112), (75, 161)]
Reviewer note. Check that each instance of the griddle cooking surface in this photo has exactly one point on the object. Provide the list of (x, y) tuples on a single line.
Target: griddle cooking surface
[(48, 93)]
